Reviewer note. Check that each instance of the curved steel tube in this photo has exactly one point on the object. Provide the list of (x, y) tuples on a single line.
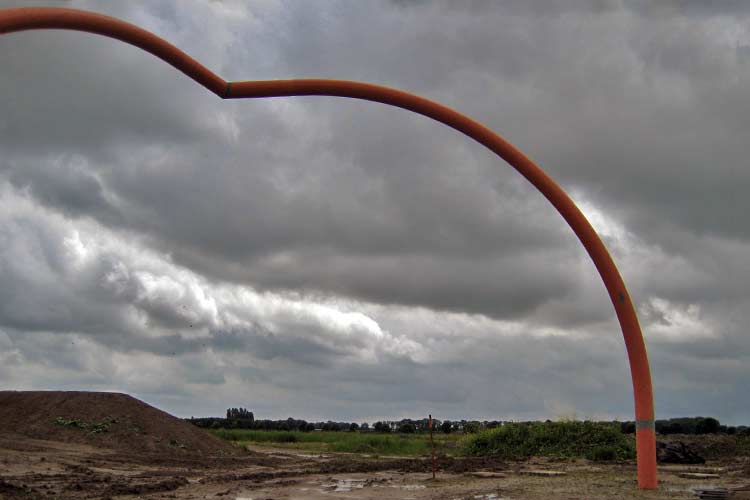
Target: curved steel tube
[(22, 19)]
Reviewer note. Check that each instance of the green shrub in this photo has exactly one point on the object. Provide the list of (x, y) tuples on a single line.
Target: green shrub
[(471, 427), (603, 453), (407, 428), (71, 422), (592, 440)]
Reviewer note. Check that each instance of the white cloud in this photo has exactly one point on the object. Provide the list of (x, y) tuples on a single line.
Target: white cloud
[(676, 323)]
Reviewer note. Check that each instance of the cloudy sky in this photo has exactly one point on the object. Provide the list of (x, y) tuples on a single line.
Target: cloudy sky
[(332, 259)]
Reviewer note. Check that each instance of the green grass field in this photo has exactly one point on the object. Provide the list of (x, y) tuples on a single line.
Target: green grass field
[(346, 442), (598, 441)]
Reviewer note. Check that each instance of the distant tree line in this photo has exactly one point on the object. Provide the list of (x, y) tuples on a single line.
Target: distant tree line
[(689, 425), (409, 426), (241, 418)]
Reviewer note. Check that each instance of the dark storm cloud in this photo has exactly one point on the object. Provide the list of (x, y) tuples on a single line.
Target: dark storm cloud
[(692, 8), (352, 252), (74, 92), (651, 112), (226, 203), (65, 184)]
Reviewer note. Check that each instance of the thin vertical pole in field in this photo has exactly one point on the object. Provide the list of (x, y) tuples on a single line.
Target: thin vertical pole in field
[(432, 444)]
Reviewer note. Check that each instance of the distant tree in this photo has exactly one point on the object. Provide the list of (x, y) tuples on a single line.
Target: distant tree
[(424, 424), (707, 426), (335, 426), (676, 428), (471, 427), (381, 427), (407, 428), (628, 427), (446, 427), (353, 427), (365, 426), (237, 414), (672, 428)]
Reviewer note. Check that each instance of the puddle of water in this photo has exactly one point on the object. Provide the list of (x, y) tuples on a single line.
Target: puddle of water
[(349, 484), (413, 487), (486, 496), (690, 489)]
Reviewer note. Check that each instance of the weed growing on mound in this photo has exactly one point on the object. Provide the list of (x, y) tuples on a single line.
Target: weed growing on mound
[(92, 427), (592, 440)]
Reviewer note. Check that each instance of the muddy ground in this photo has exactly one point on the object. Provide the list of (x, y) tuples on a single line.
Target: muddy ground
[(32, 468)]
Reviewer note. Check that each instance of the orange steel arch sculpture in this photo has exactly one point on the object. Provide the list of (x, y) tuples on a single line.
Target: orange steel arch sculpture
[(21, 19)]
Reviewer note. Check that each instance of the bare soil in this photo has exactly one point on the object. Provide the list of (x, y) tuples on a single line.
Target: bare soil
[(132, 425), (39, 460)]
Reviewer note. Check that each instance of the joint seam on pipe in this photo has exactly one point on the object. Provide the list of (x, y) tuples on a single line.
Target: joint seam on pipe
[(645, 424)]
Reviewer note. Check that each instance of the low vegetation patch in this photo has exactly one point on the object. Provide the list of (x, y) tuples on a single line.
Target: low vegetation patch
[(743, 445), (570, 439), (92, 427)]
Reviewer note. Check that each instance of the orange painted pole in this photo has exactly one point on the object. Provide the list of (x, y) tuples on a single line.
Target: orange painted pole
[(12, 20)]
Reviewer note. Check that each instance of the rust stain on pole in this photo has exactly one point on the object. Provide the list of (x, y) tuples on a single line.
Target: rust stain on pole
[(22, 19)]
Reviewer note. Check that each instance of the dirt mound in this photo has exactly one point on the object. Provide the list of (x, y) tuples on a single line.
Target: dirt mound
[(677, 453), (107, 420), (710, 446)]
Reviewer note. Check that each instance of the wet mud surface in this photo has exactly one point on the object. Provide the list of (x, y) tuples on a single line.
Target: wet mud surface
[(36, 469)]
